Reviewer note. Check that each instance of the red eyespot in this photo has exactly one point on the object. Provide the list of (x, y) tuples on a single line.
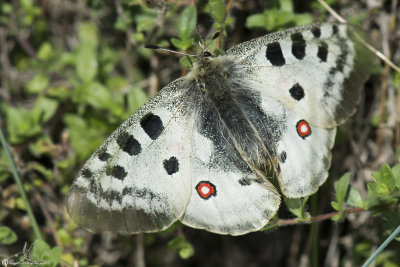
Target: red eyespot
[(206, 189), (303, 129)]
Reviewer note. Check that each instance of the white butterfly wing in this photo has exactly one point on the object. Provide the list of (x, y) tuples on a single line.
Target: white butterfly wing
[(227, 197), (317, 71), (303, 151), (139, 179)]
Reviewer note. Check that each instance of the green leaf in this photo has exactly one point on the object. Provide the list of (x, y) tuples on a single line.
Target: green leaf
[(47, 173), (44, 109), (88, 35), (7, 236), (19, 202), (60, 92), (186, 63), (255, 21), (42, 252), (274, 19), (136, 98), (182, 44), (145, 25), (86, 63), (341, 189), (355, 199), (296, 206), (6, 8), (396, 175), (187, 22), (303, 19), (20, 124), (183, 246), (387, 177), (37, 84), (385, 182), (45, 52), (84, 139), (177, 43), (123, 21), (286, 5), (217, 10), (64, 236)]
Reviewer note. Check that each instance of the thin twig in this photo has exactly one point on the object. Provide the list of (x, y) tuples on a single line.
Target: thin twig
[(333, 12), (318, 218)]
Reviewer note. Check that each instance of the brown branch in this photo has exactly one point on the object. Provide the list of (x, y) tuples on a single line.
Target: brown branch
[(310, 220)]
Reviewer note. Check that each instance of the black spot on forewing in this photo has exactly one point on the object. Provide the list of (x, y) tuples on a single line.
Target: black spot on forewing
[(86, 173), (117, 172), (274, 54), (128, 144), (283, 156), (104, 156), (152, 125), (335, 29), (171, 165), (323, 51), (316, 31), (298, 45), (244, 182), (297, 92)]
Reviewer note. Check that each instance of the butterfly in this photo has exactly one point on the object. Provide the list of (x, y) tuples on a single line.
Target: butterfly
[(217, 148)]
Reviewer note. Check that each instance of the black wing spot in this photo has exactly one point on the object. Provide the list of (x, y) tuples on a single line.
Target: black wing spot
[(104, 156), (152, 125), (323, 51), (171, 165), (335, 29), (117, 171), (297, 92), (128, 144), (316, 31), (283, 156), (86, 173), (274, 54), (244, 182), (298, 45)]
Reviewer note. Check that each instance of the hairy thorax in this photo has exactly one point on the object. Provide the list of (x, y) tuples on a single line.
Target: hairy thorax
[(222, 84)]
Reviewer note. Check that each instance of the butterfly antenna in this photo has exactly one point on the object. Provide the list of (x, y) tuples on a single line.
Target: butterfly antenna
[(215, 36), (198, 32), (156, 47)]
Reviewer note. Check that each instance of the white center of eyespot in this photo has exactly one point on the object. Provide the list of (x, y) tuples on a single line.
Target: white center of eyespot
[(205, 190), (303, 128)]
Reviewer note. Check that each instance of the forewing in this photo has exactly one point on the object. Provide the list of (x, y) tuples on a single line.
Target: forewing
[(227, 197), (139, 179), (317, 71)]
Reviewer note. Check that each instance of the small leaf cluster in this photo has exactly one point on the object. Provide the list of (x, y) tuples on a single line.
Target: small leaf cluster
[(277, 17), (384, 190)]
